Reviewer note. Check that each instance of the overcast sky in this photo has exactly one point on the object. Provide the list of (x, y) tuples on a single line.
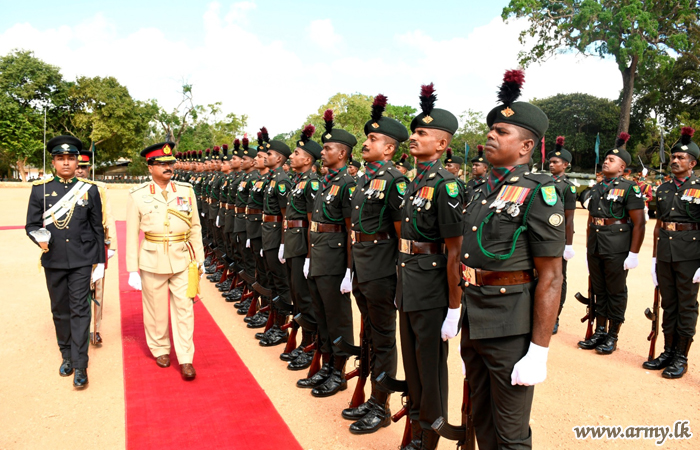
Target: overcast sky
[(278, 60)]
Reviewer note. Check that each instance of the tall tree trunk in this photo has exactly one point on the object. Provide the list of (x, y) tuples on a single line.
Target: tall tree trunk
[(22, 168), (627, 92)]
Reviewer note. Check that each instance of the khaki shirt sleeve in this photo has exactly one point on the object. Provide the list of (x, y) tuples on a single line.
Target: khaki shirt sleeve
[(196, 232), (133, 225), (108, 220)]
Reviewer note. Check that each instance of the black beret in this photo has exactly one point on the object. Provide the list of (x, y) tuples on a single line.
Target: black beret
[(686, 144), (454, 160), (247, 150), (340, 136), (439, 119), (280, 147), (619, 149), (384, 125), (225, 156), (559, 151), (522, 114), (403, 162), (64, 145), (355, 163)]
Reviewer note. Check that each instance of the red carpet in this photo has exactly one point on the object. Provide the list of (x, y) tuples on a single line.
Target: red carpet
[(223, 408), (18, 227)]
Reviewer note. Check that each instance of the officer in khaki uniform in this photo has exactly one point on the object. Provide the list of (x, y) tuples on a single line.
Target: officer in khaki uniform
[(511, 268), (166, 211), (376, 223), (676, 263), (84, 164)]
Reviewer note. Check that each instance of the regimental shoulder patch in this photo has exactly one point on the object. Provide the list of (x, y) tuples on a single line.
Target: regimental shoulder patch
[(401, 187), (636, 189), (573, 189), (282, 188), (452, 189), (314, 185), (352, 190), (556, 219), (549, 194)]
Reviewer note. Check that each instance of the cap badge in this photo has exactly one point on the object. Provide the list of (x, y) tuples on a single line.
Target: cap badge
[(301, 143), (427, 119), (166, 150), (685, 147), (375, 125), (616, 151), (507, 112), (328, 135), (65, 147), (558, 153)]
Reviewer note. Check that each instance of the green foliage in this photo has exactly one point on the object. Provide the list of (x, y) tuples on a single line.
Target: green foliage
[(472, 132)]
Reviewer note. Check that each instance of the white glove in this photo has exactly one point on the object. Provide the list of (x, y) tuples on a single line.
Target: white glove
[(110, 253), (532, 368), (632, 261), (645, 171), (98, 273), (569, 252), (696, 277), (646, 213), (653, 273), (135, 280), (346, 284), (591, 183), (202, 214), (261, 253), (449, 326), (280, 254), (217, 222), (200, 266), (247, 243), (575, 182), (307, 262)]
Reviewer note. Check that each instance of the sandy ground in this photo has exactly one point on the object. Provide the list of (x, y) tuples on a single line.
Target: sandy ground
[(39, 409)]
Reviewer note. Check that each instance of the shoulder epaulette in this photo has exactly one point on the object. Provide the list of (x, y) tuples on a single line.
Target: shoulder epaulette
[(540, 178), (182, 183), (140, 186), (40, 182)]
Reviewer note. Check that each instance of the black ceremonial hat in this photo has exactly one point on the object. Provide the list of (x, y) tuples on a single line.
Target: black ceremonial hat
[(384, 125), (686, 144), (336, 134), (619, 149), (305, 143), (560, 151), (522, 114), (431, 117), (64, 145)]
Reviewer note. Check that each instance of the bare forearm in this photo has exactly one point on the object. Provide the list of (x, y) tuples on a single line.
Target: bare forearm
[(546, 303)]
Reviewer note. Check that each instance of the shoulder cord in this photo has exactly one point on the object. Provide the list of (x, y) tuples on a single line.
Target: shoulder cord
[(381, 213), (325, 212), (521, 228), (415, 225), (624, 210), (291, 199)]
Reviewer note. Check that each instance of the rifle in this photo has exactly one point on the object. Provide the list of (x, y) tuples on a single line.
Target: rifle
[(361, 371), (315, 345), (393, 385), (464, 434), (654, 317), (590, 308), (286, 309)]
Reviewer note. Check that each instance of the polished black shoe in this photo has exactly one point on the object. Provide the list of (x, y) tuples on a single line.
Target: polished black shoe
[(260, 322), (359, 412), (210, 270), (66, 368), (294, 354), (610, 343), (255, 317), (666, 357), (377, 417), (316, 380), (335, 383), (80, 379), (215, 276), (595, 340), (232, 296), (274, 329), (679, 365), (242, 304), (276, 338), (302, 362)]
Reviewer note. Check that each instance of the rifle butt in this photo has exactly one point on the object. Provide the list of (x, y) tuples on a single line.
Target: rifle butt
[(352, 374), (315, 364), (407, 435), (358, 397)]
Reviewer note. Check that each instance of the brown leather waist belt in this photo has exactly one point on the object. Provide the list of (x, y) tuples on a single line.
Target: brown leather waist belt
[(326, 228), (253, 211), (223, 205), (602, 222), (420, 248), (680, 226), (296, 224), (239, 209), (271, 218), (166, 238), (479, 277), (362, 237), (230, 206)]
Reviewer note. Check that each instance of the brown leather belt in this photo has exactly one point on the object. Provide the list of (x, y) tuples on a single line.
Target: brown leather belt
[(420, 248), (479, 277), (680, 226), (239, 209), (295, 224), (603, 222), (271, 218), (230, 206), (223, 205), (357, 236), (326, 228), (253, 211)]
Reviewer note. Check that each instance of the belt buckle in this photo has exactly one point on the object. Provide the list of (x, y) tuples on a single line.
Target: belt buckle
[(314, 227), (285, 224), (598, 221), (405, 246), (354, 236), (671, 226), (469, 275)]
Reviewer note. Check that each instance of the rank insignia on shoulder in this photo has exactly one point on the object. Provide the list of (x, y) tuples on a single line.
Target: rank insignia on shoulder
[(514, 179), (573, 189), (314, 185), (401, 187), (549, 194), (282, 188), (452, 189), (636, 189)]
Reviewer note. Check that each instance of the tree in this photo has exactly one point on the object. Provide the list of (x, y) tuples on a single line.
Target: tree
[(173, 124), (642, 35), (472, 132)]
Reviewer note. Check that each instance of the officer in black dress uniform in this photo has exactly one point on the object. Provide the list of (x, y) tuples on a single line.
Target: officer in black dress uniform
[(428, 294), (64, 218), (294, 250), (615, 235), (676, 262), (376, 224), (511, 266), (329, 271), (559, 161)]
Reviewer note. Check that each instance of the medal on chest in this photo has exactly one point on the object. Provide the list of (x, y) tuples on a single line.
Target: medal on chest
[(510, 198), (258, 186), (376, 189), (299, 188), (184, 204), (83, 201), (691, 195), (424, 197), (241, 187), (332, 193), (614, 194)]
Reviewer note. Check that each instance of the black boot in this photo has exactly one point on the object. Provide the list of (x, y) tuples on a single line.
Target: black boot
[(318, 378), (556, 324), (378, 416), (303, 361), (80, 378), (598, 337), (416, 436), (260, 320), (430, 440), (610, 344), (665, 358), (277, 337), (362, 410), (294, 354), (335, 382), (679, 365)]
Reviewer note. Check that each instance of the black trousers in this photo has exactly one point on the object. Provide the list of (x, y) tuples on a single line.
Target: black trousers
[(609, 284), (262, 275), (375, 300), (68, 290), (300, 294), (333, 312), (425, 363), (277, 275), (501, 411), (246, 255), (679, 296)]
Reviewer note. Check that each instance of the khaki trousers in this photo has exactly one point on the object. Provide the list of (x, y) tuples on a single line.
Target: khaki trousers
[(98, 304), (155, 314)]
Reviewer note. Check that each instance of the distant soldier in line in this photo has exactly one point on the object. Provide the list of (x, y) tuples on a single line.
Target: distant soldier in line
[(615, 235), (83, 171), (480, 170), (675, 266), (353, 168), (403, 165), (64, 218), (559, 161)]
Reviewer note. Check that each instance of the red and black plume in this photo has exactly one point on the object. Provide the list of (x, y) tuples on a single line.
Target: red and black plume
[(404, 157), (559, 143), (199, 153), (307, 132), (686, 135), (449, 153), (261, 141), (208, 151), (378, 107), (427, 98), (328, 119), (480, 150), (236, 144), (216, 149), (265, 134), (225, 147), (245, 143), (622, 139), (513, 81)]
